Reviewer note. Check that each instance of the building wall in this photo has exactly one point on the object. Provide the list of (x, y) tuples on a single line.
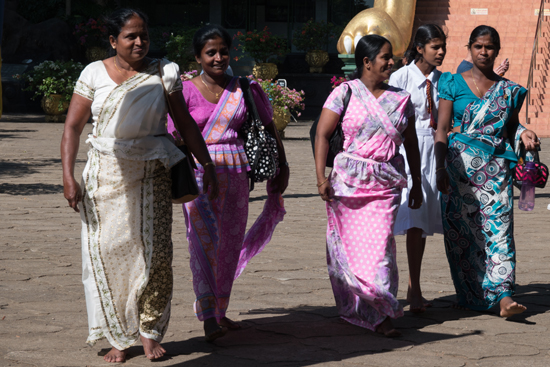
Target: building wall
[(515, 20)]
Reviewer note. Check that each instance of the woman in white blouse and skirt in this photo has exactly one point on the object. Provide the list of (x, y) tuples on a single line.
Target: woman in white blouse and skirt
[(125, 202), (420, 78)]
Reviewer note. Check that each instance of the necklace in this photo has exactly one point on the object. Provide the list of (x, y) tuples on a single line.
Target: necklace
[(216, 94), (117, 69), (481, 95)]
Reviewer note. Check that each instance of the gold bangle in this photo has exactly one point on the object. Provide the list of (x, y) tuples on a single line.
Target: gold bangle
[(209, 164), (439, 169), (322, 183)]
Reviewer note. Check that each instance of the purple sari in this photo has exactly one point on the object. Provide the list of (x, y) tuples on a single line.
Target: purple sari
[(219, 245)]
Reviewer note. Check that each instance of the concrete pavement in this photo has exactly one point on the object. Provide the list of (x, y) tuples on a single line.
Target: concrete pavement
[(283, 299)]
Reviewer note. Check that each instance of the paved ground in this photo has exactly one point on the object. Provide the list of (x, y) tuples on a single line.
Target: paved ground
[(283, 299)]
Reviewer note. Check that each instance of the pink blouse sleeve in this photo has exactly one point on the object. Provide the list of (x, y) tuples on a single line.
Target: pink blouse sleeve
[(335, 101), (262, 103)]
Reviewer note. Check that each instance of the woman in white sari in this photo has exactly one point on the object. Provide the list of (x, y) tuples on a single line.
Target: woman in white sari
[(126, 206)]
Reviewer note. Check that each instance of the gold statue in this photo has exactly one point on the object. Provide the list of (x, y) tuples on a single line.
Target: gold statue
[(392, 19)]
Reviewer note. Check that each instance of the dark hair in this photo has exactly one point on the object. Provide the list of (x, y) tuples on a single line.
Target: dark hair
[(368, 46), (424, 35), (484, 30), (408, 55), (118, 19), (207, 33)]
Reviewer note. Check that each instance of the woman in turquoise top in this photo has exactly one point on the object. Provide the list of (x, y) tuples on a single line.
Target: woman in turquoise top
[(474, 174)]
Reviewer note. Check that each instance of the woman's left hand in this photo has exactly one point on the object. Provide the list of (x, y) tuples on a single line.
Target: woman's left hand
[(415, 197), (280, 182), (210, 181), (530, 140)]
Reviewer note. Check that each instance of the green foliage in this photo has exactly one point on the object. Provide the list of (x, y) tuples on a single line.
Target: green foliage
[(261, 46), (313, 35), (51, 77), (179, 47), (39, 11)]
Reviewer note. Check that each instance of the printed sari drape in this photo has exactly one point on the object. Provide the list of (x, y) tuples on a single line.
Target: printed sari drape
[(126, 213), (367, 180), (478, 211), (219, 246)]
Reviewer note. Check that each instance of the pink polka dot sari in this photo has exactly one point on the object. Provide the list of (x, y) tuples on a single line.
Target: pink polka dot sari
[(367, 179)]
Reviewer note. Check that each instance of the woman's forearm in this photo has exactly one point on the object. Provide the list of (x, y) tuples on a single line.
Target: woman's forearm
[(70, 143)]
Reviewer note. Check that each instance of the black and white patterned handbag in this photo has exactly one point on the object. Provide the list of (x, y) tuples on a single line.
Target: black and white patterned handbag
[(259, 145)]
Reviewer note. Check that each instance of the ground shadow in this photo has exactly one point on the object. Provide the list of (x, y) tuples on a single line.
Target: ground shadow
[(300, 336), (285, 196), (30, 189)]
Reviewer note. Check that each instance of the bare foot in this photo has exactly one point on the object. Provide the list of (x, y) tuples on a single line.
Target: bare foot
[(413, 299), (386, 328), (152, 348), (115, 356), (416, 303), (212, 330), (509, 307), (230, 324)]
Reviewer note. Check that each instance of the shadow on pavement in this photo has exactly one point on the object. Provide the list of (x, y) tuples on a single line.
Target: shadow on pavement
[(285, 196), (300, 336), (30, 189)]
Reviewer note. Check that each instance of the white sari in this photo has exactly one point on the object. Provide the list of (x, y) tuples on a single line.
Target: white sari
[(126, 209)]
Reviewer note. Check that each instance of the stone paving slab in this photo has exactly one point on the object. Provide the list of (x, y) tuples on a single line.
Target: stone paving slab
[(283, 299)]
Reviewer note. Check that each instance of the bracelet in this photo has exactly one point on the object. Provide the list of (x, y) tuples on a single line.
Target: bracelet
[(209, 164), (322, 183), (439, 169)]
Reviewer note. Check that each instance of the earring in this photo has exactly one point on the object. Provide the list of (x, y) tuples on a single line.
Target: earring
[(114, 47)]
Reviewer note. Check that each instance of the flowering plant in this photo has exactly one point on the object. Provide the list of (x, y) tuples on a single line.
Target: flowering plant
[(313, 35), (91, 33), (337, 81), (51, 77), (282, 97), (261, 46)]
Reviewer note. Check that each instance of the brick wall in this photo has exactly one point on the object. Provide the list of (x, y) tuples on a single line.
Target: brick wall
[(516, 22)]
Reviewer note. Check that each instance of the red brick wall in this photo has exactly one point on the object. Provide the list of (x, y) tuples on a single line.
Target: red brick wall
[(515, 20)]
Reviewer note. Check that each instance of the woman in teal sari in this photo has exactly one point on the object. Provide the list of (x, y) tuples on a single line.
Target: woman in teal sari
[(474, 175)]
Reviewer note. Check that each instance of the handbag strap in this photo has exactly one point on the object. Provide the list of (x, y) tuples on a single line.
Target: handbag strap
[(346, 103), (249, 100)]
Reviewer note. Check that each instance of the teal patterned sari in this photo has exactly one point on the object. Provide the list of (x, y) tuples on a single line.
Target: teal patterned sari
[(478, 211)]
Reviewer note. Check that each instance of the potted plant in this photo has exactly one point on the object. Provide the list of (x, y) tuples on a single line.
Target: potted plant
[(284, 101), (54, 81), (179, 48), (262, 46), (93, 35), (313, 38)]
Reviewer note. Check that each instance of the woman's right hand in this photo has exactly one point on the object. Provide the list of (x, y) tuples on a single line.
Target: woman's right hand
[(73, 193), (442, 180), (325, 190), (210, 181)]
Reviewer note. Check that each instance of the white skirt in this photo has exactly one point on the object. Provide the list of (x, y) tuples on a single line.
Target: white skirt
[(428, 216)]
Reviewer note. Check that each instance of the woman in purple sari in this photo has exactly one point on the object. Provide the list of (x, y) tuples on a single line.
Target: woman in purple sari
[(363, 191), (219, 246)]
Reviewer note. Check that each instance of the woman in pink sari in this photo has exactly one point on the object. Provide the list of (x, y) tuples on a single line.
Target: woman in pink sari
[(219, 246), (363, 191)]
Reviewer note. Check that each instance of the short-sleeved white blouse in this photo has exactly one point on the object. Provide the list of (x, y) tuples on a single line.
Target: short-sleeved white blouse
[(130, 118)]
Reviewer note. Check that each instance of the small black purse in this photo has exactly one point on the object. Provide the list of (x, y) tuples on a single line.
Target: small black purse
[(260, 147), (184, 183), (336, 141)]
